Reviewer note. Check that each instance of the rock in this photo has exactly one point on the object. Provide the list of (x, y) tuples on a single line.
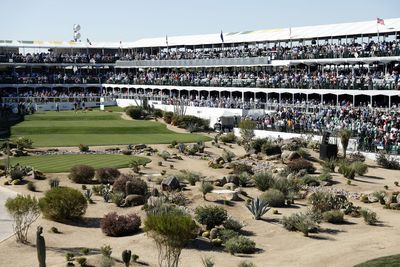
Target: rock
[(214, 233), (132, 200), (205, 234), (38, 175), (139, 146), (233, 197), (154, 192), (233, 179), (288, 156), (18, 152), (273, 157), (395, 206), (170, 184), (230, 186), (216, 242), (220, 182)]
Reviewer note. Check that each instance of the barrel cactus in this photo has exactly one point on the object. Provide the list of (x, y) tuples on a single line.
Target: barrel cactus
[(126, 257), (40, 247)]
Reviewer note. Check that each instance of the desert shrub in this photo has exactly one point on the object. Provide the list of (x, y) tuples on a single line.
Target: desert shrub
[(257, 144), (300, 164), (273, 197), (177, 198), (369, 216), (329, 165), (24, 210), (285, 185), (347, 170), (325, 177), (190, 122), (117, 198), (263, 181), (63, 203), (240, 244), (106, 251), (82, 261), (244, 179), (126, 152), (302, 222), (356, 157), (232, 224), (271, 149), (325, 201), (210, 216), (135, 113), (238, 168), (303, 153), (31, 186), (167, 116), (310, 180), (128, 185), (54, 182), (81, 174), (333, 216), (23, 142), (106, 262), (247, 133), (205, 188), (157, 113), (344, 135), (18, 172), (227, 155), (107, 175), (171, 230), (359, 168), (387, 162), (165, 155), (226, 234), (113, 224), (85, 251), (228, 138), (83, 148), (189, 176)]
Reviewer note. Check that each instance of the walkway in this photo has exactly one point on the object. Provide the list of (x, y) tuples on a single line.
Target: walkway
[(6, 222)]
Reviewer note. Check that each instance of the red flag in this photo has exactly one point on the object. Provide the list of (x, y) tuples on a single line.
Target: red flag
[(380, 21)]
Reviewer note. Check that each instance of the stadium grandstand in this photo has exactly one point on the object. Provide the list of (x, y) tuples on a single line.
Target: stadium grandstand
[(347, 71)]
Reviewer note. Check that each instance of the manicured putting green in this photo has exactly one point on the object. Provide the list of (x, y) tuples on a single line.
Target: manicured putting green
[(63, 163), (68, 128), (388, 261)]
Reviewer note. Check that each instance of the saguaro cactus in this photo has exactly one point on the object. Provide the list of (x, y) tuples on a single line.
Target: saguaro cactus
[(126, 257), (40, 247)]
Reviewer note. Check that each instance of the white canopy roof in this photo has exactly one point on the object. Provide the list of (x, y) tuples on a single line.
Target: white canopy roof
[(279, 34), (295, 33)]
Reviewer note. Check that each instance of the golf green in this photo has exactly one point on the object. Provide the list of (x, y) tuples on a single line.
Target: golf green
[(67, 128), (63, 163)]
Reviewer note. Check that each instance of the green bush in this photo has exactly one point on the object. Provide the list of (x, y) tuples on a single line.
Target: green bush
[(24, 210), (300, 164), (274, 197), (189, 176), (63, 203), (83, 148), (82, 174), (369, 216), (117, 198), (310, 181), (257, 144), (325, 177), (333, 216), (239, 168), (226, 234), (167, 116), (227, 155), (263, 181), (244, 179), (246, 263), (359, 168), (347, 170), (232, 224), (210, 216), (387, 162), (240, 244), (302, 222), (23, 142), (228, 138), (205, 188), (191, 123), (271, 149), (135, 113), (107, 175), (329, 165), (324, 201)]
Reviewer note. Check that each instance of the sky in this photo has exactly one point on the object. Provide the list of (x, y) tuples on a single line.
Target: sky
[(130, 20)]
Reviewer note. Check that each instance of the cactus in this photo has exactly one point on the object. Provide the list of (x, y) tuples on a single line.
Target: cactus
[(88, 195), (106, 192), (126, 257), (258, 207), (54, 183), (40, 247)]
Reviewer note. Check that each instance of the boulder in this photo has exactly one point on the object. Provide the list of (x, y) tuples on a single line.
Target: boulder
[(214, 233), (170, 184), (133, 200), (273, 157), (395, 206), (139, 146), (288, 156), (220, 182), (233, 197), (38, 175), (233, 179), (230, 186)]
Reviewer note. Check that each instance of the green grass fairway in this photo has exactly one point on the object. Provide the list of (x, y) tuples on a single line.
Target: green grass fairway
[(389, 261), (63, 163), (68, 128)]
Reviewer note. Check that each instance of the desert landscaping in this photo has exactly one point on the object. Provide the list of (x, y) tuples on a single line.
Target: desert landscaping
[(202, 199)]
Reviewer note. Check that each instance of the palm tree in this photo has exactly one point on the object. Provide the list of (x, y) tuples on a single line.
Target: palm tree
[(344, 135)]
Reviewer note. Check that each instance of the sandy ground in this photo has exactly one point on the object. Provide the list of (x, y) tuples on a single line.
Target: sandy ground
[(338, 245)]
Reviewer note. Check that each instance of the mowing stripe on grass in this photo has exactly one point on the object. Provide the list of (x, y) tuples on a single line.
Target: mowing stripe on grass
[(63, 163)]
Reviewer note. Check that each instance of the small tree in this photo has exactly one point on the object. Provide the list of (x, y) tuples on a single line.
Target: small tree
[(171, 230), (24, 210), (247, 133), (344, 135), (206, 188)]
